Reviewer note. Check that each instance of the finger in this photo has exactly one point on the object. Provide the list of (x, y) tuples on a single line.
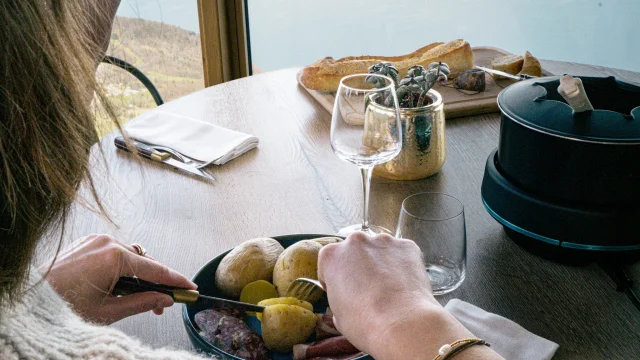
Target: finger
[(135, 251), (384, 238), (336, 323), (132, 249), (117, 308), (151, 270), (158, 311), (324, 260), (357, 237)]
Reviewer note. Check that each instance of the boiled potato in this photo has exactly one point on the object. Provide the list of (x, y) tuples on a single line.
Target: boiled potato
[(298, 260), (250, 261), (286, 325), (257, 291), (327, 240), (285, 301)]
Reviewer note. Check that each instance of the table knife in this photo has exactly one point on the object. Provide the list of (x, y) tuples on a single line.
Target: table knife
[(148, 152), (127, 285), (502, 73)]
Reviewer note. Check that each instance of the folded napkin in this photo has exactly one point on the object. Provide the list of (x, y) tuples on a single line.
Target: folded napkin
[(196, 139), (507, 338)]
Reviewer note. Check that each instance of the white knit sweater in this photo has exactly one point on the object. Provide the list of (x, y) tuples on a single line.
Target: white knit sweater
[(43, 326)]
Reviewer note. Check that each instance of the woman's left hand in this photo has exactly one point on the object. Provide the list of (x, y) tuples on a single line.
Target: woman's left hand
[(85, 274)]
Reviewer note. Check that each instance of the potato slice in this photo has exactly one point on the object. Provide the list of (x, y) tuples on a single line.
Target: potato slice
[(256, 291), (285, 301), (286, 325)]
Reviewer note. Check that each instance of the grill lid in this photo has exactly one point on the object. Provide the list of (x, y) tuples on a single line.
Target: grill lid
[(536, 103)]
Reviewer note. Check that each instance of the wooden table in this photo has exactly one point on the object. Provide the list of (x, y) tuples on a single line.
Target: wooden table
[(293, 183)]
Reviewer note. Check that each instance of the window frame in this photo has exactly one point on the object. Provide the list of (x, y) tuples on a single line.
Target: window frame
[(224, 34)]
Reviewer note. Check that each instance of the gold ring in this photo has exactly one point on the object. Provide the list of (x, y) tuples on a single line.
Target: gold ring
[(139, 249)]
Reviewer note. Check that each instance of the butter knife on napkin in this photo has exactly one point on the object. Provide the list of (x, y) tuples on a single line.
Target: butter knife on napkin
[(150, 153), (196, 139)]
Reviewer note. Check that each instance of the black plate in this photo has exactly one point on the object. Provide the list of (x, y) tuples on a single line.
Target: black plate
[(205, 279)]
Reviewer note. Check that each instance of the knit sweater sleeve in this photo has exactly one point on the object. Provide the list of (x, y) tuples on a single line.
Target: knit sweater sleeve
[(42, 326)]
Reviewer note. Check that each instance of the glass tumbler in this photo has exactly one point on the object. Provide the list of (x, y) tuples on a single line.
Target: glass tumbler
[(436, 223)]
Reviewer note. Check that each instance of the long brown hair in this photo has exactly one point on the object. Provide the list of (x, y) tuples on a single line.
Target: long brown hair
[(47, 65)]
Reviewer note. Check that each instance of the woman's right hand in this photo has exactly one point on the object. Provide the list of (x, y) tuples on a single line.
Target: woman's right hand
[(373, 282), (381, 299)]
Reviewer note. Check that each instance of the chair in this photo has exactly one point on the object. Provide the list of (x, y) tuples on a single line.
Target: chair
[(138, 74)]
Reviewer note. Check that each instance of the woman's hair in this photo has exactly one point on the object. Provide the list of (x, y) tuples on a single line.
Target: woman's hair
[(47, 80)]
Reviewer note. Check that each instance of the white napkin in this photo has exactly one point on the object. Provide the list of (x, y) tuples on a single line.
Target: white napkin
[(507, 338), (191, 137)]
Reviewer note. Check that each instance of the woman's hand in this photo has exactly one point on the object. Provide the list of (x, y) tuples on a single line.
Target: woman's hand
[(381, 299), (85, 273), (373, 283)]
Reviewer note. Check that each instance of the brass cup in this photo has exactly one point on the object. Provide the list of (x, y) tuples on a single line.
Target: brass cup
[(423, 141)]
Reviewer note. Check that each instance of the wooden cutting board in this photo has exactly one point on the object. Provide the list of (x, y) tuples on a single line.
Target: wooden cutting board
[(456, 103)]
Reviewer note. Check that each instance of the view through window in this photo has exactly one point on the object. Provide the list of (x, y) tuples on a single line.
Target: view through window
[(286, 33), (161, 38)]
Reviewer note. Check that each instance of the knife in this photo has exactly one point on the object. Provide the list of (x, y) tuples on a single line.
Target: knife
[(150, 153), (502, 73), (128, 285)]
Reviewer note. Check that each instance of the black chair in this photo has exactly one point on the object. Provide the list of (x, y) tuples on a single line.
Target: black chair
[(138, 74)]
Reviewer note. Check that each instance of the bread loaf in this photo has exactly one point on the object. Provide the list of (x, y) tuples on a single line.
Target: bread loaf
[(325, 74), (531, 65), (511, 64)]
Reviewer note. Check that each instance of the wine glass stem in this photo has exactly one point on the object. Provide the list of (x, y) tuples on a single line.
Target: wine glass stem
[(366, 184)]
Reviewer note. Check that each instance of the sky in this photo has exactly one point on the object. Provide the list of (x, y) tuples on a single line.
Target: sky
[(287, 33)]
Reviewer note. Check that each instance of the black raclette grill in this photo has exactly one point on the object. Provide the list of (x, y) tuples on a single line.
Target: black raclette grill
[(566, 185)]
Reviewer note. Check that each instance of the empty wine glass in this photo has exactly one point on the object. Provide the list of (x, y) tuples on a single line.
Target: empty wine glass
[(366, 131)]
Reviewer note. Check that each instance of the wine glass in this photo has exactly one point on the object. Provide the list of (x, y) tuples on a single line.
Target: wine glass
[(366, 131)]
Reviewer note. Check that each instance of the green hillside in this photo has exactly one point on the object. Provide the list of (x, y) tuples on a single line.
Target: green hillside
[(170, 56)]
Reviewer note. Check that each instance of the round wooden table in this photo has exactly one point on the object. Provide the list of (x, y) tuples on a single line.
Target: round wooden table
[(293, 183)]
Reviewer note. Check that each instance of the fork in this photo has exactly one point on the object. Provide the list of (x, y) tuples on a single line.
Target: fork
[(303, 288), (183, 158)]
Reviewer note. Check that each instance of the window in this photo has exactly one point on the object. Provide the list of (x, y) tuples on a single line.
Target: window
[(162, 39), (168, 39), (287, 33)]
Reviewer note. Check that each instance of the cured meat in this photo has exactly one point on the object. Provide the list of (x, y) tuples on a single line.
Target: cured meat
[(325, 327), (330, 347), (231, 334)]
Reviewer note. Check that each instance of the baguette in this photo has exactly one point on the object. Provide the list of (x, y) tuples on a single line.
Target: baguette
[(325, 74)]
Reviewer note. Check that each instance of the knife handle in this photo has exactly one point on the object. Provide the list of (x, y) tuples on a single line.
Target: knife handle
[(128, 285), (143, 150)]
